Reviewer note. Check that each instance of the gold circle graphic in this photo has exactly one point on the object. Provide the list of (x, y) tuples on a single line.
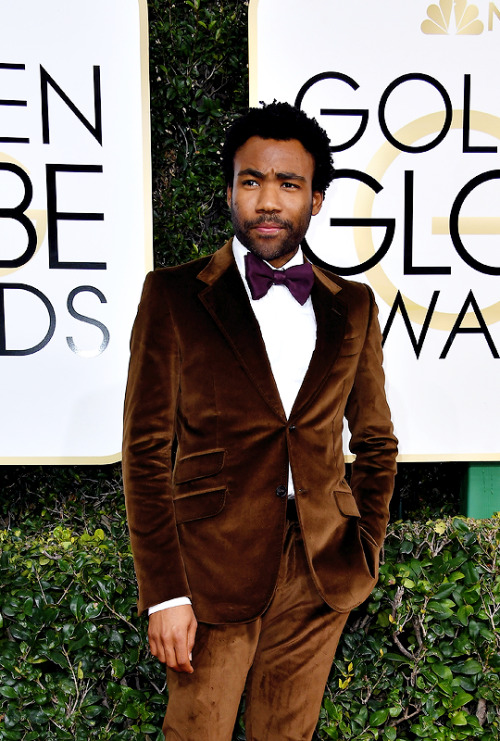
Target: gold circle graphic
[(363, 207)]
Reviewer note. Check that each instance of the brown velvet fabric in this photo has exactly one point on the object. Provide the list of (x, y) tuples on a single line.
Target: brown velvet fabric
[(282, 659), (201, 392)]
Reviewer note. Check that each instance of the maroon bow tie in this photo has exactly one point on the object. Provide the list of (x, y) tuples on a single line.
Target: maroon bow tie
[(260, 277)]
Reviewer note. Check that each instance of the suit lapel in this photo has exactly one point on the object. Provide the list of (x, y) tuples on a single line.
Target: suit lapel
[(331, 317), (226, 300)]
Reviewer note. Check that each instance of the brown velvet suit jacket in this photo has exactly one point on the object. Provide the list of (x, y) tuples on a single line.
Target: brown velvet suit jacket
[(207, 444)]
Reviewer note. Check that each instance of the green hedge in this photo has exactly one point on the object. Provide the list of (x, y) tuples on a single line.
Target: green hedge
[(420, 660), (199, 81)]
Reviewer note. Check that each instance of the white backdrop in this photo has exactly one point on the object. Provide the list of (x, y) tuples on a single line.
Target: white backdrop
[(420, 78), (74, 139)]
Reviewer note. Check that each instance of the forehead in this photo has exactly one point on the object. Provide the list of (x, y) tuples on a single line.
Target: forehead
[(271, 156)]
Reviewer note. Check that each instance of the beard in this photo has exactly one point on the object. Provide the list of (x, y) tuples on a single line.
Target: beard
[(271, 248)]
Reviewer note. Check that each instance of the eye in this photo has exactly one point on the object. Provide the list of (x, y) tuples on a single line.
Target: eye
[(250, 182), (290, 186)]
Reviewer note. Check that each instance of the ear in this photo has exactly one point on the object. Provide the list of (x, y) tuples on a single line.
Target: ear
[(229, 195), (317, 202)]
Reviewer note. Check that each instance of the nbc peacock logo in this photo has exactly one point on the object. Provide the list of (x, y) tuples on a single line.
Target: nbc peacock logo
[(453, 17)]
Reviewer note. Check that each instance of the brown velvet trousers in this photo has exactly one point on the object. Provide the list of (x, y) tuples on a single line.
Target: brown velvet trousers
[(281, 661)]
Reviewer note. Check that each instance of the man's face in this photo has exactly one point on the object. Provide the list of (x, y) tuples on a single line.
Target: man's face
[(271, 198)]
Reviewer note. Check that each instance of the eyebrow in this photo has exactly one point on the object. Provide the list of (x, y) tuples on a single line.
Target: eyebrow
[(279, 175)]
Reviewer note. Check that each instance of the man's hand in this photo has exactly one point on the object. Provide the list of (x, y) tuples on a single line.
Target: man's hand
[(171, 636)]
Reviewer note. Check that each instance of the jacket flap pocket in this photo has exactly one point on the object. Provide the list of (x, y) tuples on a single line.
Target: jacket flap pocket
[(347, 504), (199, 465), (350, 346), (199, 506)]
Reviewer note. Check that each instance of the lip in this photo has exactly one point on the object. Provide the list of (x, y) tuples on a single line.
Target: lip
[(268, 229)]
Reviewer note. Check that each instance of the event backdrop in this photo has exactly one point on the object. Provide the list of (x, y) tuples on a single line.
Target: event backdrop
[(407, 92), (75, 222)]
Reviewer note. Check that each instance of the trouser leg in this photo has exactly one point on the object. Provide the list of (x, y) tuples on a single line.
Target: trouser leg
[(203, 706), (298, 638), (284, 658)]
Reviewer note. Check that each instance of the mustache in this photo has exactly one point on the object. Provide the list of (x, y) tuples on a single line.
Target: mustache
[(271, 219)]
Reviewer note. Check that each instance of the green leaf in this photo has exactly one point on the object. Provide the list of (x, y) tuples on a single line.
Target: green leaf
[(119, 668), (20, 632), (471, 573), (471, 666), (447, 688), (93, 610), (406, 546), (8, 692), (92, 711), (131, 711), (442, 671), (459, 719), (399, 658), (379, 717), (440, 610), (12, 735), (148, 728), (463, 614), (116, 641), (461, 698), (76, 605), (58, 658), (468, 684), (473, 628), (28, 606), (444, 591)]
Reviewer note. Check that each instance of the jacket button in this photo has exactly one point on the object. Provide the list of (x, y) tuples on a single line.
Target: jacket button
[(281, 491), (292, 428)]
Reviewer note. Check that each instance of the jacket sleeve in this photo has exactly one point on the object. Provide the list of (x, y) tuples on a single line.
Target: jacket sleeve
[(372, 438), (149, 432)]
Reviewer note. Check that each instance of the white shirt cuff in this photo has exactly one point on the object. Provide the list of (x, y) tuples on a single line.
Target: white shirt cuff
[(176, 602)]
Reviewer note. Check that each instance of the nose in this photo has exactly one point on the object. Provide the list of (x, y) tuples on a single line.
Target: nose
[(269, 198)]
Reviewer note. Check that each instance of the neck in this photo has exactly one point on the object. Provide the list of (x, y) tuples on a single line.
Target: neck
[(283, 259)]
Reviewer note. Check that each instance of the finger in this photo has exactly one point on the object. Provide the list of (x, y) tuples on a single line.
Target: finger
[(181, 650), (171, 660), (156, 648), (179, 664), (191, 637), (183, 658)]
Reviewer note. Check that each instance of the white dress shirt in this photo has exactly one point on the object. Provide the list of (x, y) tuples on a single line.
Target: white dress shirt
[(289, 333)]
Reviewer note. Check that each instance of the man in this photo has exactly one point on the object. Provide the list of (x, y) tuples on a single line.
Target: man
[(250, 547)]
